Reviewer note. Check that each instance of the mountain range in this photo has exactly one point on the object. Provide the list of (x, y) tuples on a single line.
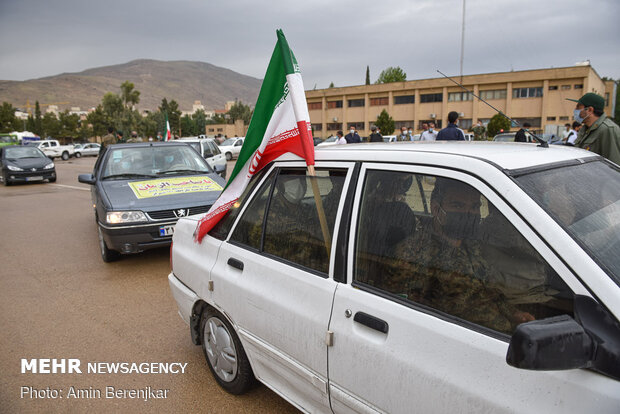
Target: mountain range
[(183, 81)]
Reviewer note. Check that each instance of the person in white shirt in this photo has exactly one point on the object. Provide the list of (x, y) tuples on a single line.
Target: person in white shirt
[(571, 137), (340, 139), (430, 134), (565, 132)]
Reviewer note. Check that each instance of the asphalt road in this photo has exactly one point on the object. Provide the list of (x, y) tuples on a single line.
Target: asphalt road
[(59, 300)]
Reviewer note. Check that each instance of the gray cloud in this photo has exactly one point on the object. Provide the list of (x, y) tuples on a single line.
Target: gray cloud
[(333, 40)]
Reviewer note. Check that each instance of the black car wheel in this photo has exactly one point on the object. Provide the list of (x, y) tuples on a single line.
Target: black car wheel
[(65, 156), (52, 180), (108, 255), (6, 181), (78, 154), (224, 353), (228, 156)]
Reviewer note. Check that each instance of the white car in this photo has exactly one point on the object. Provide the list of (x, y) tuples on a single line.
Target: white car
[(210, 151), (443, 277), (87, 149), (328, 141), (231, 147)]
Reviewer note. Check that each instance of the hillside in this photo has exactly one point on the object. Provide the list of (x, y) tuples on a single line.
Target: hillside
[(182, 81)]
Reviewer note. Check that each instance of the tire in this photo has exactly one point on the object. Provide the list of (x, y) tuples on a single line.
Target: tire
[(78, 154), (108, 255), (228, 156), (52, 180), (6, 182), (65, 156), (224, 354)]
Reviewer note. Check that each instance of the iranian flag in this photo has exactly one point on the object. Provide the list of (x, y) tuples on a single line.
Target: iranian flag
[(168, 136), (280, 124)]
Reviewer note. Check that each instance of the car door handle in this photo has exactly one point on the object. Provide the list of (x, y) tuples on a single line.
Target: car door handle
[(371, 322), (237, 264)]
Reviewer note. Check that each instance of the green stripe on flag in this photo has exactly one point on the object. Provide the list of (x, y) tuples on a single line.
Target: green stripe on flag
[(288, 59)]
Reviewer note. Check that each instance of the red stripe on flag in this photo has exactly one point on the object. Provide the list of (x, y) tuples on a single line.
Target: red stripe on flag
[(211, 219)]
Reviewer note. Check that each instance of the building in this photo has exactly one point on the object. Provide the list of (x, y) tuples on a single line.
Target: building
[(534, 96)]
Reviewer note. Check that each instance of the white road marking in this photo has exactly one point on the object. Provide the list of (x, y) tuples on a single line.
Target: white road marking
[(72, 187)]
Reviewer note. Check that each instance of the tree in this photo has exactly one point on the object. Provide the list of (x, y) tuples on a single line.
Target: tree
[(385, 123), (496, 124), (240, 111), (367, 75), (331, 85), (392, 74), (187, 125), (8, 120), (30, 123), (68, 124), (98, 122), (50, 124), (38, 128), (200, 121), (130, 96)]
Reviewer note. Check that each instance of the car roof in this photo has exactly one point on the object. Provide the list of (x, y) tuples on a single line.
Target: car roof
[(504, 155), (146, 144)]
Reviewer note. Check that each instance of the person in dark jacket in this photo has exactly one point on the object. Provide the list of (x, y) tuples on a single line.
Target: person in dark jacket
[(451, 132), (352, 137), (520, 136), (375, 136)]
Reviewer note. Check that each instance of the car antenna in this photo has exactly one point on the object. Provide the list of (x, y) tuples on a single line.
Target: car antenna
[(541, 142)]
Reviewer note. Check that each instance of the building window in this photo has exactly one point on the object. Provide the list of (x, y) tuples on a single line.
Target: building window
[(578, 86), (315, 105), (551, 118), (431, 97), (465, 124), (379, 101), (358, 126), (404, 99), (334, 104), (437, 123), (527, 92), (334, 126), (317, 127), (534, 122), (399, 124), (553, 87), (565, 87), (460, 96), (563, 118), (493, 94), (355, 103), (607, 99)]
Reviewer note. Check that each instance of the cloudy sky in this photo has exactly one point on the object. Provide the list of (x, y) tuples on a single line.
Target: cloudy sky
[(333, 40)]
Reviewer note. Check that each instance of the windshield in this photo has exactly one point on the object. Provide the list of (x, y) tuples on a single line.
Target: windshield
[(229, 141), (23, 152), (585, 200), (153, 161)]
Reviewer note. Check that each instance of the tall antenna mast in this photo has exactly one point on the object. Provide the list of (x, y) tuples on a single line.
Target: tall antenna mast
[(462, 41)]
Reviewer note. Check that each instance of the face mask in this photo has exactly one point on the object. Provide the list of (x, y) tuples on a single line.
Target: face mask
[(460, 226), (430, 129), (293, 190), (410, 131), (577, 115), (352, 131)]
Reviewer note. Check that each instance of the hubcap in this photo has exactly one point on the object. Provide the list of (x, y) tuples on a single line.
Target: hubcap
[(221, 350)]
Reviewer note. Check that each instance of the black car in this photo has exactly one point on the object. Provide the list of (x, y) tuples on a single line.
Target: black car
[(139, 191), (22, 164)]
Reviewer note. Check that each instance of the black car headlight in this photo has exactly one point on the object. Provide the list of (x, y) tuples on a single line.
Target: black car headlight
[(118, 217), (49, 166)]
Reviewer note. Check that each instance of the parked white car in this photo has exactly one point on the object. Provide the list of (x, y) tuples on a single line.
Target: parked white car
[(444, 277), (91, 149), (210, 151), (231, 147), (53, 149), (328, 141)]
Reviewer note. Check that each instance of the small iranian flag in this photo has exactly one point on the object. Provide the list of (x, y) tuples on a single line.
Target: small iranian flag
[(168, 136), (280, 124)]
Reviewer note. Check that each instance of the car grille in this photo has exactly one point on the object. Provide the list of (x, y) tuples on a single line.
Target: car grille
[(170, 214)]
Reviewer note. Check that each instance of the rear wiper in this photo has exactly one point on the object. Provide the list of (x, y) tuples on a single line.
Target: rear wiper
[(129, 175)]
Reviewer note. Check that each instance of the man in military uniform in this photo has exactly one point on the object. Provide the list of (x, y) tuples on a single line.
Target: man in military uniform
[(108, 139), (599, 134), (441, 265)]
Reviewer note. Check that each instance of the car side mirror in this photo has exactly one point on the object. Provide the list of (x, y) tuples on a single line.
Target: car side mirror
[(87, 179), (562, 343), (220, 168)]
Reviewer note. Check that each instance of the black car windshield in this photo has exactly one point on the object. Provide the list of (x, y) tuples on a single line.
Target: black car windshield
[(16, 152), (153, 161), (585, 200)]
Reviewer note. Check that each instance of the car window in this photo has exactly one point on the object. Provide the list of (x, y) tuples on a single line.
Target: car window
[(215, 150), (292, 228), (439, 243)]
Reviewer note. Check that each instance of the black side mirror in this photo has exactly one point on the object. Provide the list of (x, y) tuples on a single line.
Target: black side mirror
[(87, 179), (220, 168), (561, 342)]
